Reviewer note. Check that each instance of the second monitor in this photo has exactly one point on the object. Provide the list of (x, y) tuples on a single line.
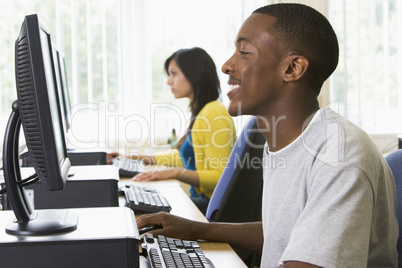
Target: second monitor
[(77, 156)]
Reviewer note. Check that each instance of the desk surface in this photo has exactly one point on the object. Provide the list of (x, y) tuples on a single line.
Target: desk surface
[(221, 254)]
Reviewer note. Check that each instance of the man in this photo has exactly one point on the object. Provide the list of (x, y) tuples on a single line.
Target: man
[(331, 202)]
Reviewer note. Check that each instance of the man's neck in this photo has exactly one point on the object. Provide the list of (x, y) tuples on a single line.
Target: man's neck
[(281, 129)]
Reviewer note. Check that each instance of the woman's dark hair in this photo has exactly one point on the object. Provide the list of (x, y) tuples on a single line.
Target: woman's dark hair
[(200, 71)]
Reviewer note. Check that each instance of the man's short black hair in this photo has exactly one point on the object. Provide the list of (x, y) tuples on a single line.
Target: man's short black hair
[(302, 30)]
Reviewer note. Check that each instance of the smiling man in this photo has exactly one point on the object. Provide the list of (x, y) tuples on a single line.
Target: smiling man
[(332, 202)]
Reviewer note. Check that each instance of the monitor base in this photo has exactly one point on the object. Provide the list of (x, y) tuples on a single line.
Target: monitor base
[(45, 222)]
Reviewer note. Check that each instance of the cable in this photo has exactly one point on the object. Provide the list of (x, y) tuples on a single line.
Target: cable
[(22, 183), (31, 179)]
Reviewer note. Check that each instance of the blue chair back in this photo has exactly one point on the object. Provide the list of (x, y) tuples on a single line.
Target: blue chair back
[(238, 195), (394, 161)]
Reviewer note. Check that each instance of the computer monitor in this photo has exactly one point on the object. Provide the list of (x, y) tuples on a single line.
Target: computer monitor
[(38, 111), (78, 157), (63, 91)]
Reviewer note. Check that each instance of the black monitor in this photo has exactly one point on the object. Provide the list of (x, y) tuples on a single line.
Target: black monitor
[(38, 111)]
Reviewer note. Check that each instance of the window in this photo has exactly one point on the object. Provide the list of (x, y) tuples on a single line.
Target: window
[(367, 85), (115, 51)]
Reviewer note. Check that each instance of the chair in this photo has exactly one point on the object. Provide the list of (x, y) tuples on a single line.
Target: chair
[(394, 161), (238, 194)]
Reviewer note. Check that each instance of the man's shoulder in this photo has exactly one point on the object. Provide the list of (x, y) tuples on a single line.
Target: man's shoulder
[(331, 128), (338, 140), (335, 138)]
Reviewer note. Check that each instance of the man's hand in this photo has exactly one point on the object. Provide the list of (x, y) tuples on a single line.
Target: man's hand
[(172, 226)]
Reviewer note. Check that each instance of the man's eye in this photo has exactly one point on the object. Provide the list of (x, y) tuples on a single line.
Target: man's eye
[(243, 52)]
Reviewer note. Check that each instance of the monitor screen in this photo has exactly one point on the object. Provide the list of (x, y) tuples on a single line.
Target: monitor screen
[(59, 88), (54, 105), (64, 95)]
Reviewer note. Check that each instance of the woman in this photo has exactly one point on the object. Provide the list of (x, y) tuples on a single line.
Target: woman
[(202, 153)]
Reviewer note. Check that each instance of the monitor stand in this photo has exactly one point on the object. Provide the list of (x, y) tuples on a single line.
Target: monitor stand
[(105, 237), (27, 222)]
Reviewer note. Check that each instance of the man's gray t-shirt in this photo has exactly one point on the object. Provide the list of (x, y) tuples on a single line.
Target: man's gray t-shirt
[(329, 199)]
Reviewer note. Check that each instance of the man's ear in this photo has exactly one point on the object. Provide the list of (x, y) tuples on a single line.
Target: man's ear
[(296, 67)]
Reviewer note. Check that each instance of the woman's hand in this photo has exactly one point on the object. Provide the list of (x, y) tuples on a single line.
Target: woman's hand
[(157, 175), (112, 156)]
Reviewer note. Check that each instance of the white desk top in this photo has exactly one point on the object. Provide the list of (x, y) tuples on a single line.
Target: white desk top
[(93, 223)]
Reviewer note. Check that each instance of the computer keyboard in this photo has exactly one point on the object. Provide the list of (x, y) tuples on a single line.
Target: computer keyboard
[(145, 200), (171, 252), (128, 167)]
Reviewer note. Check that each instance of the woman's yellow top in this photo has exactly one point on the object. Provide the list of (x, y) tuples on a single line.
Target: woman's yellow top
[(213, 136)]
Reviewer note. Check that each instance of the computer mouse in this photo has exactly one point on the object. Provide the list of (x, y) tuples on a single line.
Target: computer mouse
[(149, 228)]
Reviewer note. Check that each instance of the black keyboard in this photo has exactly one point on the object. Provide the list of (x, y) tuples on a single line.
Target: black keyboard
[(145, 200), (128, 167), (171, 252)]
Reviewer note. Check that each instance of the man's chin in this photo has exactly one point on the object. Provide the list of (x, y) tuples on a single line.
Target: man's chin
[(234, 109)]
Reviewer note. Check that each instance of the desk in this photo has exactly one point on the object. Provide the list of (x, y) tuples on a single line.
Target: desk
[(221, 254)]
